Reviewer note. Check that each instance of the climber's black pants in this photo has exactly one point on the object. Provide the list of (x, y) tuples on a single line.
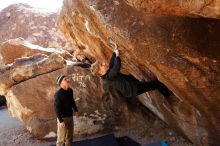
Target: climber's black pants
[(143, 87)]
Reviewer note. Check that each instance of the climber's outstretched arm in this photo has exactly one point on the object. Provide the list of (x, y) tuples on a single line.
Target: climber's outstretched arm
[(115, 65), (111, 63), (114, 54)]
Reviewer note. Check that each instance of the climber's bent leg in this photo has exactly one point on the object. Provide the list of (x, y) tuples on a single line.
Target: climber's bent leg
[(143, 87)]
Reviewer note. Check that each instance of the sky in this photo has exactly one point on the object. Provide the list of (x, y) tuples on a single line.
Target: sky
[(50, 5)]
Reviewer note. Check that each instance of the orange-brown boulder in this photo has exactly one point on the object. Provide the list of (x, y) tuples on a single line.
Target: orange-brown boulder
[(20, 48), (182, 52), (25, 68)]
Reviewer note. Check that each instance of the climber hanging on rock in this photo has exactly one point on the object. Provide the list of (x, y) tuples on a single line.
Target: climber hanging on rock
[(127, 85)]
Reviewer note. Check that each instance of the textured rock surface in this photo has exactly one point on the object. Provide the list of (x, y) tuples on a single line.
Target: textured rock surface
[(19, 48), (203, 8), (181, 52), (35, 26), (25, 68)]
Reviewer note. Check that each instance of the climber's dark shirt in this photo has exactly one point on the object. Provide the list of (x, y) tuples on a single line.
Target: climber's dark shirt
[(125, 84)]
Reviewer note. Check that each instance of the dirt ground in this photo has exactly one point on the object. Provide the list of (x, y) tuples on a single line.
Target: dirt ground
[(13, 133)]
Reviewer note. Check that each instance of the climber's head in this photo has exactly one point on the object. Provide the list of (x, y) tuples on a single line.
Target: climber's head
[(99, 69)]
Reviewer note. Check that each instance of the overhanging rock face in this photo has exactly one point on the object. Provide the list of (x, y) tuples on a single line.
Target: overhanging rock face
[(194, 8), (182, 52)]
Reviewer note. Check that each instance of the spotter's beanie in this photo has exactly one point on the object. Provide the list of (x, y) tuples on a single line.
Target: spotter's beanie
[(59, 79)]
